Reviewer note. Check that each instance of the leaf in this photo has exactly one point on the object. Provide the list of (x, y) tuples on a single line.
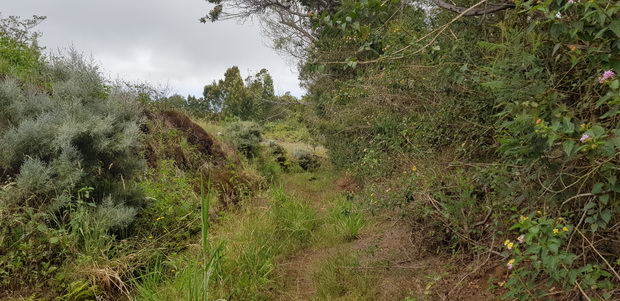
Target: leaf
[(615, 27), (614, 85), (607, 148), (615, 141), (54, 240), (578, 25), (606, 215), (569, 127), (604, 199), (597, 131), (558, 29), (568, 146), (597, 188), (589, 206), (553, 248)]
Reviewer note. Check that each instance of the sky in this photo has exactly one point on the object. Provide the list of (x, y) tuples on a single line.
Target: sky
[(160, 42)]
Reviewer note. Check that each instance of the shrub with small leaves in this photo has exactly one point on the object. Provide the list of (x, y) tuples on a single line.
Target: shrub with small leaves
[(305, 159), (246, 136)]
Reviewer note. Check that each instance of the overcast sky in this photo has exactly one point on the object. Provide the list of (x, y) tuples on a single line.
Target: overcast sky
[(156, 41)]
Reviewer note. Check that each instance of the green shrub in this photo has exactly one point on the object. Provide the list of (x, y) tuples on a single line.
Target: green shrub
[(85, 133), (246, 136), (306, 160), (20, 56)]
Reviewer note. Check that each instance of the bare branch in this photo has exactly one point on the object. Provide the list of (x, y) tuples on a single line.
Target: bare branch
[(488, 9)]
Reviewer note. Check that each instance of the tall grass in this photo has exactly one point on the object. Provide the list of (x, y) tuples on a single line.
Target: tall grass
[(209, 257)]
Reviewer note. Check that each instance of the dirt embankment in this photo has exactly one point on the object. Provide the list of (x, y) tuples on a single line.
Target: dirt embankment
[(172, 135)]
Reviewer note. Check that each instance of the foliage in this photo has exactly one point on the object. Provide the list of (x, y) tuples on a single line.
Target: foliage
[(69, 160), (251, 99), (246, 136), (306, 160), (20, 54), (529, 99), (538, 254)]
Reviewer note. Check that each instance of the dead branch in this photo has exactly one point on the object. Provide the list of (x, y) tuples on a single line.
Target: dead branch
[(468, 12)]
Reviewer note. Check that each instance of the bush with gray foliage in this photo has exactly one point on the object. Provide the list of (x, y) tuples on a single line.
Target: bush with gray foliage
[(81, 133)]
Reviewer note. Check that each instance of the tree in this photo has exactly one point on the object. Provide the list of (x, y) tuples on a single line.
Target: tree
[(260, 88), (231, 96)]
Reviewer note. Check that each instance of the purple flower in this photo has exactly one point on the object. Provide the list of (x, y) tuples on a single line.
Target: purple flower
[(571, 1), (510, 266), (584, 138), (521, 238), (606, 75)]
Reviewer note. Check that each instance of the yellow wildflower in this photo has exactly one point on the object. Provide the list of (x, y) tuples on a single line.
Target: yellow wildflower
[(501, 284), (414, 168), (150, 236), (556, 231), (523, 218), (572, 47), (509, 245), (506, 242), (565, 229), (539, 212)]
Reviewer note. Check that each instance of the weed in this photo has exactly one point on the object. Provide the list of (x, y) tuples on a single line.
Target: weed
[(341, 277)]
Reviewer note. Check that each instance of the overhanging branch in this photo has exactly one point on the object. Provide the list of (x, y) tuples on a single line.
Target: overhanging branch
[(488, 9)]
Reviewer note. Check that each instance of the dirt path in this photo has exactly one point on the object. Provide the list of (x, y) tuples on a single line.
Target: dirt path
[(389, 252)]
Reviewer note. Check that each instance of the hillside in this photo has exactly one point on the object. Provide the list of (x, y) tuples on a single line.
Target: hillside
[(465, 151)]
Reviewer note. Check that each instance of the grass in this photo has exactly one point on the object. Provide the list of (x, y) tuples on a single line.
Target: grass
[(243, 250), (340, 277)]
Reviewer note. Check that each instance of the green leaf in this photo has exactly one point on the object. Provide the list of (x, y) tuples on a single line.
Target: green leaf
[(553, 248), (607, 149), (606, 215), (615, 27), (558, 29), (569, 127), (54, 240), (604, 199), (614, 85), (597, 188), (594, 227), (597, 131), (615, 141), (589, 206), (569, 146)]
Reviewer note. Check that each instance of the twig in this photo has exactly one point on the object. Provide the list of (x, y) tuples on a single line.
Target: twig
[(470, 273), (599, 254), (582, 292), (486, 218), (575, 197)]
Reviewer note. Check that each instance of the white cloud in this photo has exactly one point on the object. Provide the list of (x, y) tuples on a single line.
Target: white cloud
[(157, 41)]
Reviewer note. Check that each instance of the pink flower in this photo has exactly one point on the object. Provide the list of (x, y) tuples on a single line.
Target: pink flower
[(571, 1), (606, 75), (584, 138), (521, 238)]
